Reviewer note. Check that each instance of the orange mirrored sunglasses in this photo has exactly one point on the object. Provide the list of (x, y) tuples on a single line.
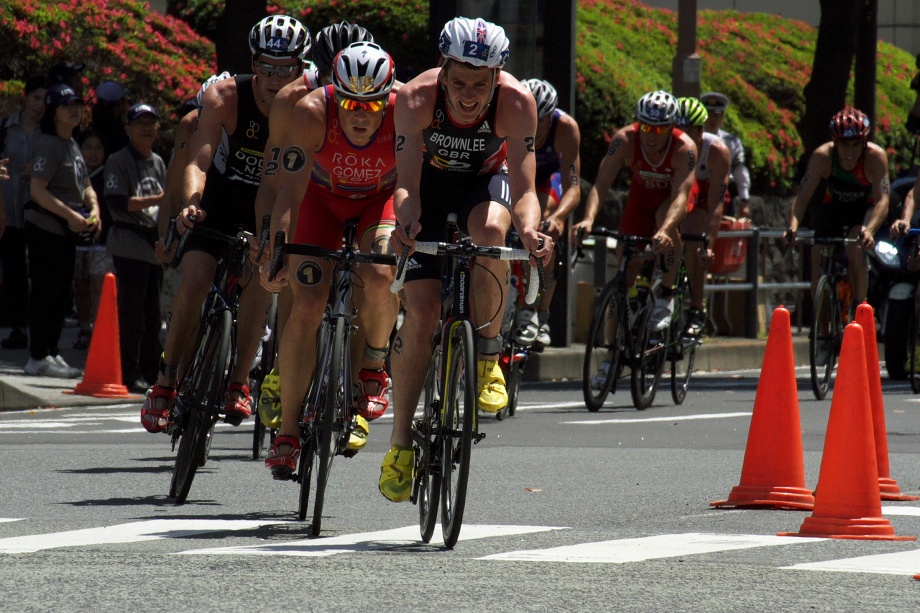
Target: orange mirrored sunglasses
[(647, 128), (370, 106)]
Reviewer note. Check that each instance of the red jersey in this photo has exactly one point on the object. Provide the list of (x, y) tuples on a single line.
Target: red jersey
[(650, 187), (348, 171)]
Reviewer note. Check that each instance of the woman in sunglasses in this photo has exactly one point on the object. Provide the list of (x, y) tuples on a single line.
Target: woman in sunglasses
[(338, 164), (662, 159)]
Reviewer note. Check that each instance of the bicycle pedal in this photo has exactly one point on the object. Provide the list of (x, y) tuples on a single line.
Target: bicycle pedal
[(478, 437), (350, 453)]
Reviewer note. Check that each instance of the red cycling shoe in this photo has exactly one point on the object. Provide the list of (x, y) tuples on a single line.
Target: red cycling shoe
[(283, 465), (372, 406), (156, 418), (237, 408)]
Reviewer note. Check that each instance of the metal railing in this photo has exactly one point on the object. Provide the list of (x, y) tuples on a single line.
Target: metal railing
[(751, 282)]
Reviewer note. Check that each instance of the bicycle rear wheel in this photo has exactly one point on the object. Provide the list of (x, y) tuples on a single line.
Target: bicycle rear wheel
[(682, 348), (649, 356), (201, 399), (458, 412), (822, 343), (331, 424), (427, 452), (605, 337), (305, 472)]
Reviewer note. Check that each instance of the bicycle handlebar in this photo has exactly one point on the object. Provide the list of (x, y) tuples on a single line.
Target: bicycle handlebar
[(466, 249), (339, 255)]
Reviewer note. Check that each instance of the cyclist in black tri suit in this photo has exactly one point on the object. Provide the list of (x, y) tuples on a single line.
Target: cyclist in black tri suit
[(219, 191), (855, 172), (465, 145)]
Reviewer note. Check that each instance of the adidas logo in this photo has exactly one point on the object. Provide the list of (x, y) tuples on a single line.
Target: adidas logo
[(485, 128), (412, 264)]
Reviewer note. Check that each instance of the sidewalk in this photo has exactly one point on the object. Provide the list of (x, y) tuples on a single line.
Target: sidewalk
[(19, 391)]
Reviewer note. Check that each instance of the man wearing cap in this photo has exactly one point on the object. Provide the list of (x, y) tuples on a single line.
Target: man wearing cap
[(715, 104), (134, 180), (67, 73), (109, 114)]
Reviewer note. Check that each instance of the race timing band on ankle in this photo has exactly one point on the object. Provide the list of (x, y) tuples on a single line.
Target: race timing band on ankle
[(490, 346), (170, 372), (374, 354)]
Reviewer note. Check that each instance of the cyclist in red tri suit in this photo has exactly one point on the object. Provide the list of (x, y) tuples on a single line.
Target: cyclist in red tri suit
[(662, 159), (339, 164), (327, 44), (219, 191), (708, 197), (855, 198), (464, 145)]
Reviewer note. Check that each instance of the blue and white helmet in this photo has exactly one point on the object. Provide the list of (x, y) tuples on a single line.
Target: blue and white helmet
[(545, 95), (657, 108), (280, 36), (474, 41)]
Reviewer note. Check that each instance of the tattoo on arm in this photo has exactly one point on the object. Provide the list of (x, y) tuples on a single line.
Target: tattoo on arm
[(400, 142), (271, 167), (573, 175), (614, 145), (804, 180), (692, 161), (529, 143), (886, 186)]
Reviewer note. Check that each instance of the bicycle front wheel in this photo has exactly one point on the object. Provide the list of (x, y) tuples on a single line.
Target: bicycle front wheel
[(649, 356), (822, 343), (458, 412), (605, 337), (332, 419), (427, 452), (201, 400)]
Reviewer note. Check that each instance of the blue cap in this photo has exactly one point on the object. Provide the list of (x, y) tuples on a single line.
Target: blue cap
[(61, 94), (139, 110)]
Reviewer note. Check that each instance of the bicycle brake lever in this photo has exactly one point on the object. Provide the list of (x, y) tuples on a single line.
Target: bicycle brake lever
[(399, 278), (278, 253), (264, 235)]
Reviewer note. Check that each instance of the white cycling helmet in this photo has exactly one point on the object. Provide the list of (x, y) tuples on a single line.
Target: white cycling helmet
[(657, 108), (280, 36), (207, 84), (474, 41), (545, 95), (363, 71)]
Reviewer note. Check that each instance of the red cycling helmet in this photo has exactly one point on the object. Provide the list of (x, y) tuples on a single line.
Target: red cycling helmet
[(849, 124)]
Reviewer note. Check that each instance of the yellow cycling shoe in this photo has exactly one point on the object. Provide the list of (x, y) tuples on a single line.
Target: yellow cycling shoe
[(270, 400), (493, 397), (396, 474), (358, 438)]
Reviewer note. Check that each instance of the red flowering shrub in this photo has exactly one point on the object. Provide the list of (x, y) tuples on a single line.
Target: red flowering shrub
[(157, 58)]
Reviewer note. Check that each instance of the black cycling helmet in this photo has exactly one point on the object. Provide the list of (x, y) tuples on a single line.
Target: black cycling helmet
[(335, 38)]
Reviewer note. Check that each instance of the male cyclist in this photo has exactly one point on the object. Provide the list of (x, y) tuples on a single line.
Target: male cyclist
[(339, 164), (326, 45), (219, 191), (855, 201), (558, 190), (465, 145), (662, 159), (708, 196), (716, 103)]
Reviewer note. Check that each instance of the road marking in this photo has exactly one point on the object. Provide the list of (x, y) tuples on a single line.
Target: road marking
[(367, 541), (898, 563), (133, 532), (650, 419), (648, 548), (911, 511), (6, 519)]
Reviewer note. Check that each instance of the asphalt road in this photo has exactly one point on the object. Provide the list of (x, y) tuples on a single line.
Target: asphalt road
[(567, 511)]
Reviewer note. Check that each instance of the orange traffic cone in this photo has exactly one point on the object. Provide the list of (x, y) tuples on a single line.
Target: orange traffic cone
[(773, 474), (847, 502), (102, 375), (887, 486)]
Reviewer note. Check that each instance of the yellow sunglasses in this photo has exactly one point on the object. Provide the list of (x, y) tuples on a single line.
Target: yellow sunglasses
[(647, 128), (370, 106)]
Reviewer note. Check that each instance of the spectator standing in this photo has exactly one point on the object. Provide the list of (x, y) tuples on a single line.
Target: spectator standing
[(109, 113), (93, 261), (21, 129), (715, 104), (135, 179), (69, 73), (63, 207)]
